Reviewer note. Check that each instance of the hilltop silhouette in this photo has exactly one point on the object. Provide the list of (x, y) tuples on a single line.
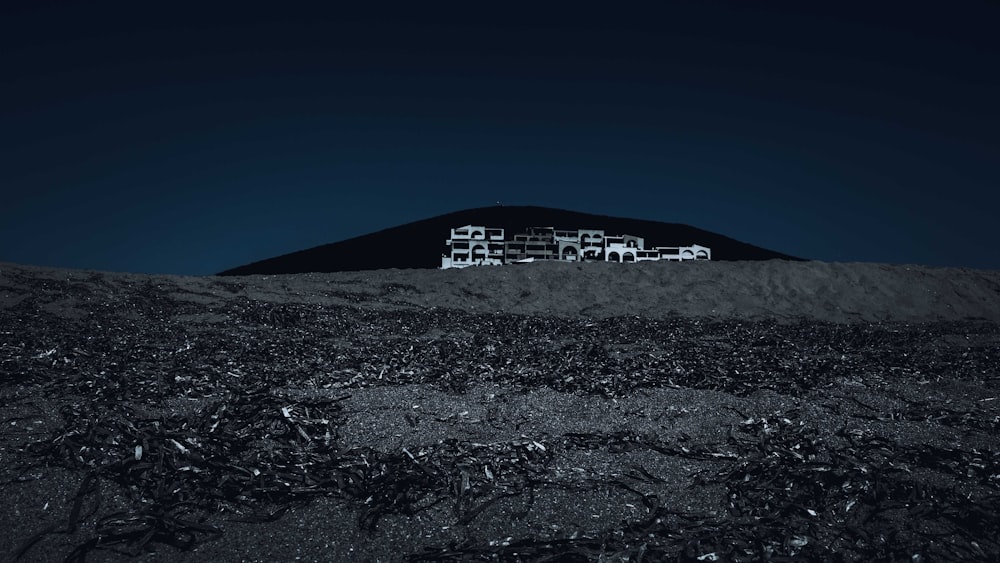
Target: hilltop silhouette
[(420, 244)]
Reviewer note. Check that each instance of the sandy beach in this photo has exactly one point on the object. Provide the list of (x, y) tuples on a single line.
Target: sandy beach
[(698, 411)]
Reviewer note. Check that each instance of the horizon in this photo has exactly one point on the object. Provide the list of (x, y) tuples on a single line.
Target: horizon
[(193, 141)]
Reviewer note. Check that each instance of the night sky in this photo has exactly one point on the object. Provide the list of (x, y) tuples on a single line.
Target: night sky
[(193, 139)]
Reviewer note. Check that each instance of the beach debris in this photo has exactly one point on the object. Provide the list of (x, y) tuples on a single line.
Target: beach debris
[(246, 424)]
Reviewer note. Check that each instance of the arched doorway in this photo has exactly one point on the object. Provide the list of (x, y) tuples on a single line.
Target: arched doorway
[(479, 252)]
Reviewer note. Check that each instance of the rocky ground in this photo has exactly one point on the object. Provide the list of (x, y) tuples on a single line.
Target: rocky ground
[(693, 412)]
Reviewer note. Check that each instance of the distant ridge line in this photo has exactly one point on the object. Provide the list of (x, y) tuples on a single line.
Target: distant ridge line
[(420, 244)]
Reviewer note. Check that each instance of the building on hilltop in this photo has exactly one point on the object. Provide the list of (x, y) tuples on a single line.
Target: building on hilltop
[(473, 245)]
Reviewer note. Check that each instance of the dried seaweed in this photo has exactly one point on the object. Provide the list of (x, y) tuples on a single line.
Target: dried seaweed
[(193, 420), (863, 500), (795, 496)]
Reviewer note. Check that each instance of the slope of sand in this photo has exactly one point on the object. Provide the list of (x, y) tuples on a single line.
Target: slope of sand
[(699, 411), (782, 290)]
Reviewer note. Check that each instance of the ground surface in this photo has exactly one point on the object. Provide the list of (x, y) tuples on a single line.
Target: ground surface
[(703, 412)]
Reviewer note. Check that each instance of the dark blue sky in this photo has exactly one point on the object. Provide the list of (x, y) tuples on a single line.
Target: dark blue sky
[(188, 140)]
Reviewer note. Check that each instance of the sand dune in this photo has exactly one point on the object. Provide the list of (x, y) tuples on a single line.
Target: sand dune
[(784, 290)]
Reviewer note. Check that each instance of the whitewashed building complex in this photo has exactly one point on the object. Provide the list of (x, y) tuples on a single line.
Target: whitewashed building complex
[(473, 245)]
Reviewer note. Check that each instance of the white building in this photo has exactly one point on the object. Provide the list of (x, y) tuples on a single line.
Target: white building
[(474, 245), (678, 253)]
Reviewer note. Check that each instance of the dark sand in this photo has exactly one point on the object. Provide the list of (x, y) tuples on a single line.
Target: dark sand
[(625, 399), (778, 289)]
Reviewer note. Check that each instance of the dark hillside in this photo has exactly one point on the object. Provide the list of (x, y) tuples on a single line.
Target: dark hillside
[(421, 243)]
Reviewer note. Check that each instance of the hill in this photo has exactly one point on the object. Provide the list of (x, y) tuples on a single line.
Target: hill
[(421, 243)]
